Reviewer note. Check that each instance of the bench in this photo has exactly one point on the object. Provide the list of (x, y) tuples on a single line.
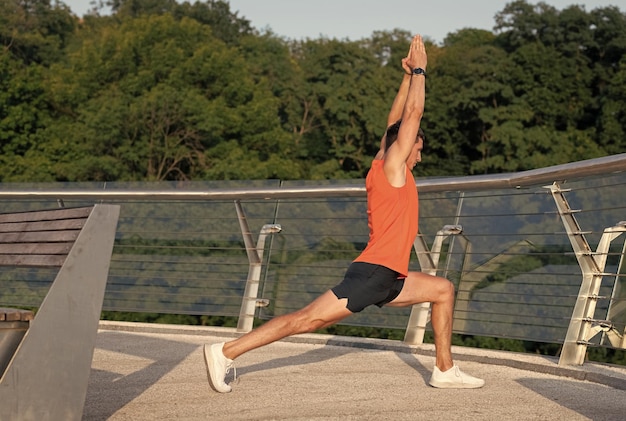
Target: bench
[(13, 325), (45, 358)]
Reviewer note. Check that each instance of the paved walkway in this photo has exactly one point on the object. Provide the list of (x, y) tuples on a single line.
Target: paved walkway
[(157, 372)]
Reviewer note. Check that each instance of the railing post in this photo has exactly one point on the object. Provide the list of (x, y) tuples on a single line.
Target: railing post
[(416, 326), (583, 326), (250, 300)]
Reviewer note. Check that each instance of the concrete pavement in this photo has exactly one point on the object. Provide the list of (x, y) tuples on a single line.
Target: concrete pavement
[(157, 372)]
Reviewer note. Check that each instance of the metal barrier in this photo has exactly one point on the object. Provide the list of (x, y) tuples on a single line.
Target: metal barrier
[(182, 248)]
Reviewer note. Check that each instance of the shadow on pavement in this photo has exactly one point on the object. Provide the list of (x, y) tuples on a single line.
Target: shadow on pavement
[(602, 403), (123, 388)]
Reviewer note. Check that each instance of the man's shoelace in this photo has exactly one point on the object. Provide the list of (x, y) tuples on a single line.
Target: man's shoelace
[(457, 371)]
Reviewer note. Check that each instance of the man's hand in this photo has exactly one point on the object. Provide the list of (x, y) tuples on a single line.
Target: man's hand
[(417, 55)]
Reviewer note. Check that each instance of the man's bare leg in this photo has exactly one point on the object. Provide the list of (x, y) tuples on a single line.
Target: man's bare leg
[(325, 310), (422, 288)]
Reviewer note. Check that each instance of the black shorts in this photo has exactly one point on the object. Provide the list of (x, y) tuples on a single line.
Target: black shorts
[(365, 284)]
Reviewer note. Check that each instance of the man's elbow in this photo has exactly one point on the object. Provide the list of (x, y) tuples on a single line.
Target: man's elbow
[(413, 112)]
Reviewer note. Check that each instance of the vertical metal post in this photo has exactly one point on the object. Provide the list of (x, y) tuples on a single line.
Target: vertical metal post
[(416, 326), (615, 337), (250, 300)]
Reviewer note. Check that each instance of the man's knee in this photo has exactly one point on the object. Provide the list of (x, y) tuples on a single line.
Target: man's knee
[(447, 288), (304, 322)]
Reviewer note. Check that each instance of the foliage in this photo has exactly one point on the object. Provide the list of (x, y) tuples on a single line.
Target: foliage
[(166, 90)]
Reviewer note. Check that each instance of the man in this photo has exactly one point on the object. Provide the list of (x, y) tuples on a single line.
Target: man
[(380, 274)]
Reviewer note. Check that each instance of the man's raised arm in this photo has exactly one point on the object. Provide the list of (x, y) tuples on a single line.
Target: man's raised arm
[(395, 113), (412, 112)]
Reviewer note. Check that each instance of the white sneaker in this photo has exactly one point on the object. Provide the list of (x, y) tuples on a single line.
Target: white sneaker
[(454, 378), (217, 366)]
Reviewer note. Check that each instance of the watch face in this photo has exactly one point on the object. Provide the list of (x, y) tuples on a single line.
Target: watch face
[(418, 71)]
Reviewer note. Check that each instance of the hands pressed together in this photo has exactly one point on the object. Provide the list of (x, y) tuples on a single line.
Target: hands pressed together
[(416, 57)]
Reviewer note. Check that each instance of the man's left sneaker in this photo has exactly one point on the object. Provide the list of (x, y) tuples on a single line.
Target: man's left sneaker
[(454, 378), (217, 366)]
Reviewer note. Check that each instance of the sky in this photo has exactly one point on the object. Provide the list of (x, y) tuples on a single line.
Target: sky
[(356, 19)]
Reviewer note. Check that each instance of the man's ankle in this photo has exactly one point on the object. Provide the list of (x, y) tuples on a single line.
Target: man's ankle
[(445, 365), (225, 351)]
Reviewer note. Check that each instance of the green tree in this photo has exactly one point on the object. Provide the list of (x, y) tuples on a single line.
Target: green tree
[(608, 58), (23, 114), (32, 35), (225, 24), (137, 8), (570, 59), (162, 90), (339, 109), (158, 98), (468, 101), (612, 117), (35, 31)]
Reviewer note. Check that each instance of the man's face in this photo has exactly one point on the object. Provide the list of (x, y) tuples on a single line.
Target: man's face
[(416, 153)]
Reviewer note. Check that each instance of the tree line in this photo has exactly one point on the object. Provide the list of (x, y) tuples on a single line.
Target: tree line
[(161, 90)]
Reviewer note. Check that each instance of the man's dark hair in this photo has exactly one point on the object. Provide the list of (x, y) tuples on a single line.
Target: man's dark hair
[(392, 134)]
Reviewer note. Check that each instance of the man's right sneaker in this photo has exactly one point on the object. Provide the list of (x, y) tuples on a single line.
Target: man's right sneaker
[(454, 378), (217, 366)]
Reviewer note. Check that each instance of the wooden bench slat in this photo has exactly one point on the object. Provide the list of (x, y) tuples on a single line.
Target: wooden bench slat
[(36, 248), (15, 315), (46, 215), (39, 237), (33, 260), (57, 225)]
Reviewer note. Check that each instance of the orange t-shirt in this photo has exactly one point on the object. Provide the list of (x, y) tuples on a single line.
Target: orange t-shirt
[(392, 214)]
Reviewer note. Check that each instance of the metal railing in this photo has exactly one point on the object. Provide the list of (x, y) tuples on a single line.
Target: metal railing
[(522, 262)]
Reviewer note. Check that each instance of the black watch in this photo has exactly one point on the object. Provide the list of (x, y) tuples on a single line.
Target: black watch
[(419, 71)]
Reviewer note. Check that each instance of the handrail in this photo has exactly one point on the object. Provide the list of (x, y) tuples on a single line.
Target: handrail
[(570, 171)]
